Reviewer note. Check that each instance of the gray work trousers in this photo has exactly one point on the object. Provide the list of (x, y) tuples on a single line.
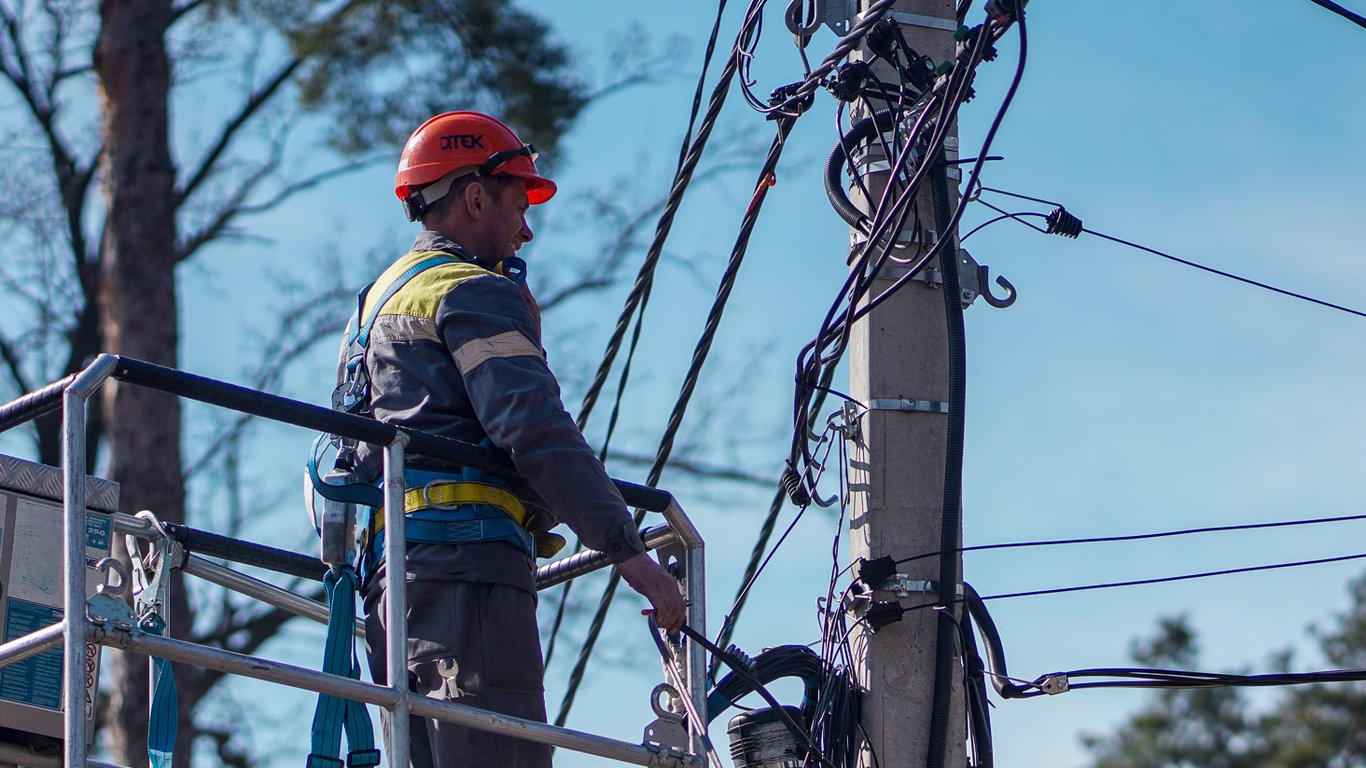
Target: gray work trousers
[(473, 644)]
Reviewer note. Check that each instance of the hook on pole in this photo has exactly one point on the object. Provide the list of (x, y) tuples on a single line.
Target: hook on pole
[(984, 284)]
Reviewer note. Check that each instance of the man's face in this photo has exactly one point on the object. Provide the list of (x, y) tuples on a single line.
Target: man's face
[(507, 227)]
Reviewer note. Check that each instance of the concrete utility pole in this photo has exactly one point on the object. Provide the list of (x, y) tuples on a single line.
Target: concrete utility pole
[(900, 353)]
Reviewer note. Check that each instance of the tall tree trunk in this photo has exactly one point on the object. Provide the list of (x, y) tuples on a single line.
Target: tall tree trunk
[(139, 313)]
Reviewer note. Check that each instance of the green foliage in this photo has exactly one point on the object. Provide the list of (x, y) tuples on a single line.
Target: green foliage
[(1311, 726), (379, 68)]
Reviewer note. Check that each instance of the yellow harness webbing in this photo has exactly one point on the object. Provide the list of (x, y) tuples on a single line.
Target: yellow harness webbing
[(444, 494)]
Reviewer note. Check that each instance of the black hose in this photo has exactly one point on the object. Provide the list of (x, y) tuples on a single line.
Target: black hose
[(879, 122), (774, 664), (996, 655), (951, 519), (979, 712)]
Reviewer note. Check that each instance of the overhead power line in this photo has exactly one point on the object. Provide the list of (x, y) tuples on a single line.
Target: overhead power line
[(1143, 536), (1351, 16), (1167, 579), (1229, 275), (1061, 222)]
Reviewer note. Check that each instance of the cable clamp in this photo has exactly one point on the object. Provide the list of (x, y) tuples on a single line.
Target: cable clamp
[(1055, 684), (903, 585)]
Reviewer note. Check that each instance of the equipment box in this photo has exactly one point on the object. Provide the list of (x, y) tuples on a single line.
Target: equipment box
[(31, 590)]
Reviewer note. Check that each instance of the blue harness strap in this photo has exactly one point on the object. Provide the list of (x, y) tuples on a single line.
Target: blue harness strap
[(161, 721), (333, 714)]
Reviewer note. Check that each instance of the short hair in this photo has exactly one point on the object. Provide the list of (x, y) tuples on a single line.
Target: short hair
[(496, 184)]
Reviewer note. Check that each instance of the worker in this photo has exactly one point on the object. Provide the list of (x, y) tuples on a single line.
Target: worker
[(455, 350)]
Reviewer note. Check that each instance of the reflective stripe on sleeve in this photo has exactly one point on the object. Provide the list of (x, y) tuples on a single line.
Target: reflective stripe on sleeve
[(474, 353)]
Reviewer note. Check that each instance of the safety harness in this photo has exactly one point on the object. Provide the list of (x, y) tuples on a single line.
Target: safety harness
[(459, 506), (443, 507)]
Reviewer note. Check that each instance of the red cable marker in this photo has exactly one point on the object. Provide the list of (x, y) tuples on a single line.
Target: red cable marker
[(759, 191)]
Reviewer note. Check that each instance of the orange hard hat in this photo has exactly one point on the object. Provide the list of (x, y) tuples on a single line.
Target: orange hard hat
[(464, 141)]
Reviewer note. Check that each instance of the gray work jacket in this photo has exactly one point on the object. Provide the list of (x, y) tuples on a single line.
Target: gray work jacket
[(456, 353)]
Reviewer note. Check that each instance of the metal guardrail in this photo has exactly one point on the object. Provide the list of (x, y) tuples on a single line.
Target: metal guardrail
[(678, 541)]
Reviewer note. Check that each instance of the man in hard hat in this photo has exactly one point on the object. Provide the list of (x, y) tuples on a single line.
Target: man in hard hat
[(453, 347)]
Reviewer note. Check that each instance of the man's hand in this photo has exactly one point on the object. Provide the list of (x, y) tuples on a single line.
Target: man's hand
[(647, 577)]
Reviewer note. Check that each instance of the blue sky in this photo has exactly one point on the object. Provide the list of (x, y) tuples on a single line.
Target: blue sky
[(1121, 393)]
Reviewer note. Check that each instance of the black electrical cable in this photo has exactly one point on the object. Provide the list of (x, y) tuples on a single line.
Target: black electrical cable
[(1143, 536), (991, 637), (1229, 275), (812, 358), (975, 696), (951, 515), (1174, 678), (741, 669), (1168, 579), (1351, 16), (1170, 257), (699, 358), (757, 558), (971, 183), (635, 337), (645, 278)]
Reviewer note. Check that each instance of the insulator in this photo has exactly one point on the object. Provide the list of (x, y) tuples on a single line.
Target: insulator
[(741, 658), (792, 483), (1060, 222)]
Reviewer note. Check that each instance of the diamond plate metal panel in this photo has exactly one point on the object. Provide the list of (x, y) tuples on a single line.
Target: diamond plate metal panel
[(46, 482)]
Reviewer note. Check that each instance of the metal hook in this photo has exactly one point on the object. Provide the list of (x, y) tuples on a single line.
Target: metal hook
[(984, 284), (119, 569), (803, 18)]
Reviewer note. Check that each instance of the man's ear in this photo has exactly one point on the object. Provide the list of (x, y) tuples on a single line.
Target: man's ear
[(475, 199)]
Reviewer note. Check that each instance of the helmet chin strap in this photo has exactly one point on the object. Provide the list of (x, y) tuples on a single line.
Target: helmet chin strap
[(417, 203)]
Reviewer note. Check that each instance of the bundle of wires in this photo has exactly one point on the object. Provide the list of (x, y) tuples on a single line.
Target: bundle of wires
[(910, 127)]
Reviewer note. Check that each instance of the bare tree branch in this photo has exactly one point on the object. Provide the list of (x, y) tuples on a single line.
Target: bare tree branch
[(253, 104), (237, 202), (296, 334), (13, 363), (227, 754), (178, 11), (696, 469)]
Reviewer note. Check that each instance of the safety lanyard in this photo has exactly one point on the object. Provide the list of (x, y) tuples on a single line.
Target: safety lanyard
[(334, 714)]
